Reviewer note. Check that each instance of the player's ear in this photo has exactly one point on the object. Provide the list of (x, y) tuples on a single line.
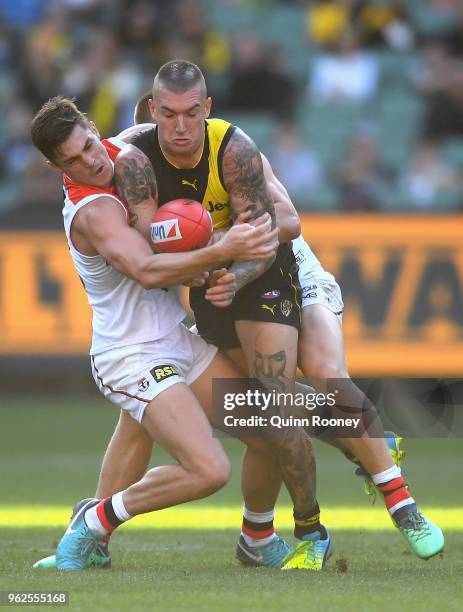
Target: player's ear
[(151, 107), (207, 106), (94, 129)]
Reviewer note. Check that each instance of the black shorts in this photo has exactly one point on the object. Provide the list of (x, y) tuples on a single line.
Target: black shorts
[(274, 297)]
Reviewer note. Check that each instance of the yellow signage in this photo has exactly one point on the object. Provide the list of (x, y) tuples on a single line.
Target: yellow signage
[(402, 283), (401, 278), (43, 306)]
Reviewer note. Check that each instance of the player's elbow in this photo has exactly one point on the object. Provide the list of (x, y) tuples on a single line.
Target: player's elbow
[(288, 222), (290, 229), (147, 281), (295, 227), (150, 279)]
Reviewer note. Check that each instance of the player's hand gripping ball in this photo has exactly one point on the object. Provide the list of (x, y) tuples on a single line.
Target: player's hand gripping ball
[(181, 225)]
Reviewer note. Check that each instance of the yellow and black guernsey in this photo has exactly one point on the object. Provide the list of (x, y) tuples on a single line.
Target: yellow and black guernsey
[(203, 182), (273, 297)]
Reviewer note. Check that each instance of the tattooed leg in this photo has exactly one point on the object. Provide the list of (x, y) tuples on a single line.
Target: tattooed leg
[(260, 480), (270, 351)]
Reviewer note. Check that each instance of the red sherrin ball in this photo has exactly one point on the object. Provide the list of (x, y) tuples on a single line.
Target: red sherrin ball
[(181, 225)]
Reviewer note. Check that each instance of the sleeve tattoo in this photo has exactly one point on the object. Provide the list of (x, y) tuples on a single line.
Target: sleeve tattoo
[(135, 181), (247, 188)]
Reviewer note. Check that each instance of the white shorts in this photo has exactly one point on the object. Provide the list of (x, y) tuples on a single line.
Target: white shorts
[(134, 375), (318, 286)]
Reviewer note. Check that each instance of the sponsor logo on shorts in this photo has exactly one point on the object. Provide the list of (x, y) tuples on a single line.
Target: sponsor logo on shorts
[(271, 295), (161, 372), (286, 306), (143, 384), (308, 292), (299, 257), (267, 307)]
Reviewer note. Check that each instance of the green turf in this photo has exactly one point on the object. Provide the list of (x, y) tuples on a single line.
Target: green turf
[(50, 451), (168, 570)]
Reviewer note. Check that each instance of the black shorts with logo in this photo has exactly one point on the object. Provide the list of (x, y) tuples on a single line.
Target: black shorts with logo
[(274, 297)]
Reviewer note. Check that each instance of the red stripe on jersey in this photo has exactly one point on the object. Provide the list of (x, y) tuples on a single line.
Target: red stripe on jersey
[(111, 148), (78, 191)]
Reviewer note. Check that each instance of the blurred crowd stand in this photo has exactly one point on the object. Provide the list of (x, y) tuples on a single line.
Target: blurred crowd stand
[(358, 104)]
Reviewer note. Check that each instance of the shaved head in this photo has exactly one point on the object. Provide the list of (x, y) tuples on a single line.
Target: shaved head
[(179, 76)]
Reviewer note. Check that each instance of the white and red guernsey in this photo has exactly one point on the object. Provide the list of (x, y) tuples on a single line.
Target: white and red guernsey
[(124, 313)]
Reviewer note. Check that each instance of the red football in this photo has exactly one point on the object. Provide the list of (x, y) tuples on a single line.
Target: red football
[(181, 225)]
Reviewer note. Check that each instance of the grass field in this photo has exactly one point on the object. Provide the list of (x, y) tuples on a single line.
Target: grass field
[(184, 558)]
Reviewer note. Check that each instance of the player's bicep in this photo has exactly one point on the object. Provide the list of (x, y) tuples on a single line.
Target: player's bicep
[(136, 185), (244, 177), (105, 226)]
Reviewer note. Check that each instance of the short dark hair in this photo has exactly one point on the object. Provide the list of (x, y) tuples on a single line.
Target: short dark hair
[(142, 112), (53, 124), (179, 76)]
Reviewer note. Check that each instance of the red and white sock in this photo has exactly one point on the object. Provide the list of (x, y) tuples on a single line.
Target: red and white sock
[(108, 514), (257, 528), (395, 491)]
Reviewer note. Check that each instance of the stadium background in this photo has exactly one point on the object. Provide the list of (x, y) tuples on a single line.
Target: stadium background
[(359, 107)]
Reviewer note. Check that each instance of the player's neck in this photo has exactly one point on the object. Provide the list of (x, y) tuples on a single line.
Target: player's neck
[(189, 160)]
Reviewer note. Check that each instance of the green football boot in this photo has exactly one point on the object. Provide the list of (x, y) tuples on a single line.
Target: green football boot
[(424, 538)]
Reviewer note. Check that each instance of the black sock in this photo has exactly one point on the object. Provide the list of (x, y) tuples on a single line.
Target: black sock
[(307, 522)]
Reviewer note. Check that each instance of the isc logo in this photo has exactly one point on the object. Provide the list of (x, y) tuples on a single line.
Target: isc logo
[(162, 372), (165, 231)]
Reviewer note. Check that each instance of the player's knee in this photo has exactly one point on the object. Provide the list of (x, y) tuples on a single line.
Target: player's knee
[(213, 474)]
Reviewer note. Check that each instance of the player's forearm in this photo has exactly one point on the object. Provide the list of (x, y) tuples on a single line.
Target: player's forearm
[(169, 269), (247, 271)]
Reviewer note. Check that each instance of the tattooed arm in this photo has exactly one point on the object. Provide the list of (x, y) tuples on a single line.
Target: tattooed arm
[(136, 185), (246, 185)]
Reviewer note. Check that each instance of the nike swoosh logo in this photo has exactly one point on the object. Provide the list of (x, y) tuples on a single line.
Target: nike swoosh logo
[(84, 508)]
